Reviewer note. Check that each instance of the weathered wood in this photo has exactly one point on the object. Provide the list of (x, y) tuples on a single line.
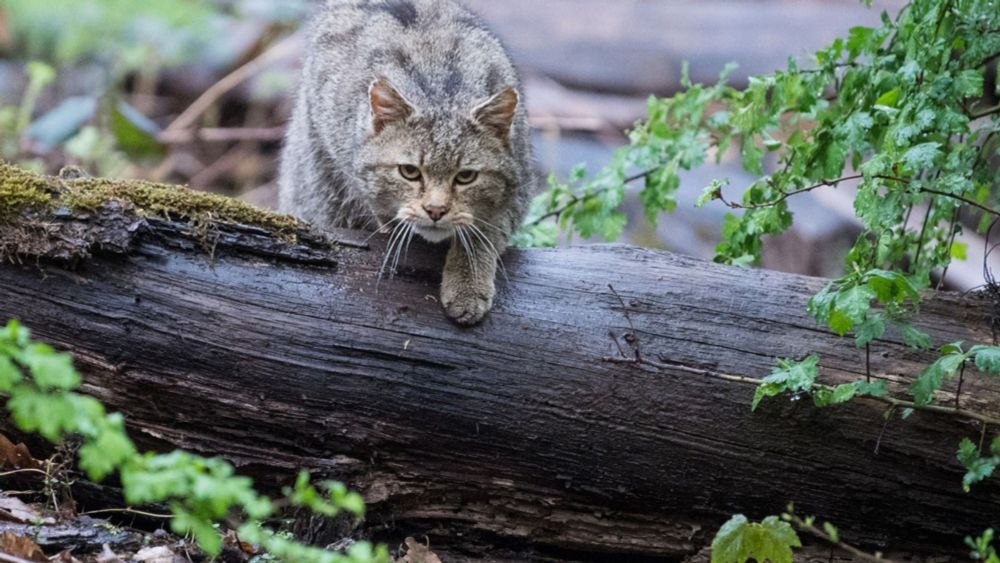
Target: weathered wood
[(517, 433)]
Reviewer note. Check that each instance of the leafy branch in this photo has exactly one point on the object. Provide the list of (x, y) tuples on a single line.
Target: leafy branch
[(40, 386)]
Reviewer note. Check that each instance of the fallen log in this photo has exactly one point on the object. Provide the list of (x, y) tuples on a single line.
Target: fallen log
[(250, 337)]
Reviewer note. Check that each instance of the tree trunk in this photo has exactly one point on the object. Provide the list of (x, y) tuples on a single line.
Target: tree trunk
[(531, 431)]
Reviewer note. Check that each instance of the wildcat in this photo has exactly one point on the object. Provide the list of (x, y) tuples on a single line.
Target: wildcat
[(409, 118)]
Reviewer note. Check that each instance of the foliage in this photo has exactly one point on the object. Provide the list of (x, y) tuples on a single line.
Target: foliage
[(740, 540), (896, 105), (132, 34), (800, 377), (40, 384), (977, 466), (982, 548), (952, 360)]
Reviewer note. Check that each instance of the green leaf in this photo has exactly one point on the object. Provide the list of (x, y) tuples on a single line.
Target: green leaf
[(933, 376), (870, 330), (740, 540), (959, 251), (987, 358), (50, 370), (134, 132), (889, 98), (915, 338), (10, 375), (788, 376), (978, 467), (921, 156)]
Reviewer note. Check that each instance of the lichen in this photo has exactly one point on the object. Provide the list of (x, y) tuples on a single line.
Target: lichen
[(22, 191)]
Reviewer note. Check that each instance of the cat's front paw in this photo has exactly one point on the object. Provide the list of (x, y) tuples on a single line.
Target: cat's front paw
[(465, 307)]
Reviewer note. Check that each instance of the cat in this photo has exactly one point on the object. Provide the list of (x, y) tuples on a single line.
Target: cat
[(410, 119)]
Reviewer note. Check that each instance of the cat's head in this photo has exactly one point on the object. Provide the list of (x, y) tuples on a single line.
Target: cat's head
[(439, 170)]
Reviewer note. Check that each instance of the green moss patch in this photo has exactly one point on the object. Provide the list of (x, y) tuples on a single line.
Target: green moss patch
[(22, 191)]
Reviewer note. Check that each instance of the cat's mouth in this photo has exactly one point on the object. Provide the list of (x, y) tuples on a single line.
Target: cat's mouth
[(434, 233)]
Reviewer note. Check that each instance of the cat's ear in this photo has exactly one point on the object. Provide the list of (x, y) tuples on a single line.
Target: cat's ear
[(497, 113), (388, 105)]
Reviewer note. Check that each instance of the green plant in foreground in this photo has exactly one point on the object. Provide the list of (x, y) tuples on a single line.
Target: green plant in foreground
[(40, 384)]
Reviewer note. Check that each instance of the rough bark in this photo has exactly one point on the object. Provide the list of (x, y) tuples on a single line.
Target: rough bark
[(518, 433)]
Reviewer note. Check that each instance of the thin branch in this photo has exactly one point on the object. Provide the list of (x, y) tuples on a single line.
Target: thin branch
[(855, 552), (127, 511), (963, 200), (576, 199), (632, 338), (898, 403), (985, 112), (823, 184), (958, 392), (221, 135), (17, 471), (188, 118)]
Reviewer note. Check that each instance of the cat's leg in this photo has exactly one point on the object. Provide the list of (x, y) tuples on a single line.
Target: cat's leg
[(468, 281)]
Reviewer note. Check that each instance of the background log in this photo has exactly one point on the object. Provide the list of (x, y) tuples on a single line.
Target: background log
[(516, 434)]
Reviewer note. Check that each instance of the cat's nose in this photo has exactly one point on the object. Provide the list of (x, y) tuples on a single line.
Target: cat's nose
[(436, 212)]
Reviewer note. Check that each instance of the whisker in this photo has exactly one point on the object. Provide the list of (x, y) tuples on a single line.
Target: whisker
[(492, 249), (492, 226), (381, 230), (399, 247), (396, 231), (468, 251)]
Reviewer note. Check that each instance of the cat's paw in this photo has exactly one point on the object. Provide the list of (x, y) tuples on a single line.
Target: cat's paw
[(465, 307)]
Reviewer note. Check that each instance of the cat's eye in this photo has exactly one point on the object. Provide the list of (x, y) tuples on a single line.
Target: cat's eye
[(409, 172), (465, 177)]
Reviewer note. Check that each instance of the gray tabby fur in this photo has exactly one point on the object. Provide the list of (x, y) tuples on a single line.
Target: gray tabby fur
[(412, 82)]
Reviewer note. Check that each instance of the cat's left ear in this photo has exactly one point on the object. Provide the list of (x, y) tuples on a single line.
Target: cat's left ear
[(388, 105), (497, 113)]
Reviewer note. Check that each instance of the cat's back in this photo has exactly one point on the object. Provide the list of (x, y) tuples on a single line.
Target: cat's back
[(436, 51)]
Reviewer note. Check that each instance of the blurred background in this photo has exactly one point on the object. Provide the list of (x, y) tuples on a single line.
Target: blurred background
[(197, 92)]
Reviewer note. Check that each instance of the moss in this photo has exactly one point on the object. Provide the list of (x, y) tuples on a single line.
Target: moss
[(24, 191), (21, 191)]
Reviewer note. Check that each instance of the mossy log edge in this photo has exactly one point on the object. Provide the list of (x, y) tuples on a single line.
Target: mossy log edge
[(275, 348)]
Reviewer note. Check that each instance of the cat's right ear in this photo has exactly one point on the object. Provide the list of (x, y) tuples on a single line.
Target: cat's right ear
[(388, 105)]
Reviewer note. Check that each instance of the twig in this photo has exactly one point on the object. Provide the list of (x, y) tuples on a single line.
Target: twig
[(13, 559), (898, 403), (961, 380), (786, 195), (923, 233), (868, 362), (17, 471), (221, 135), (632, 337), (826, 183), (881, 434), (575, 199), (855, 552), (963, 200), (187, 119), (127, 511)]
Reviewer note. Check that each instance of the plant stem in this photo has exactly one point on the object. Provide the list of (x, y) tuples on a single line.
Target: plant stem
[(961, 380), (898, 403), (855, 552)]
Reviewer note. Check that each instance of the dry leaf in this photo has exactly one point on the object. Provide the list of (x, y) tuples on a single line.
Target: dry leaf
[(64, 557), (108, 556), (417, 552), (19, 546), (13, 509), (16, 456), (160, 554)]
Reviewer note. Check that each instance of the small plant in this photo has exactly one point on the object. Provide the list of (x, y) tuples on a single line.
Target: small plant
[(40, 384)]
